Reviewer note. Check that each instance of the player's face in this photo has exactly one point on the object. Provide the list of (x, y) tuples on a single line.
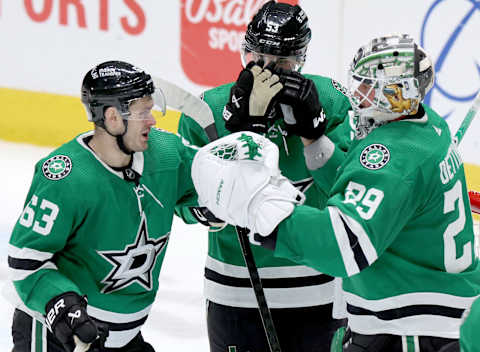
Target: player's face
[(287, 63), (140, 121)]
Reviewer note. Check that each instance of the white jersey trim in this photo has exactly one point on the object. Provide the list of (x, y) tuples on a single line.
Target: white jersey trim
[(265, 273), (114, 317), (409, 299), (343, 243), (338, 220), (137, 162), (28, 253), (292, 297), (422, 325)]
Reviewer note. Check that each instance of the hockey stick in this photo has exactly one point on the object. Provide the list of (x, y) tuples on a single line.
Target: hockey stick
[(198, 110), (184, 101), (467, 120), (256, 282)]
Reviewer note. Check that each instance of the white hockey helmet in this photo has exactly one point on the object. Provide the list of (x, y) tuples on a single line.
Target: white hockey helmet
[(389, 77)]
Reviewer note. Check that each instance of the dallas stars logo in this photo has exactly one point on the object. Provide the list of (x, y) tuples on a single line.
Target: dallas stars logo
[(136, 262), (57, 167), (375, 156)]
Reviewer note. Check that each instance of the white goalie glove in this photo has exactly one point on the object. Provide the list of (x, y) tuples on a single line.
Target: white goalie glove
[(238, 180)]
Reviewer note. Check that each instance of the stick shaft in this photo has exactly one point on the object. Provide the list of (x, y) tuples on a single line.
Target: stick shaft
[(467, 120)]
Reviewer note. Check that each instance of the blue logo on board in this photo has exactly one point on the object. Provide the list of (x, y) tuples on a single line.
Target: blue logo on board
[(447, 49)]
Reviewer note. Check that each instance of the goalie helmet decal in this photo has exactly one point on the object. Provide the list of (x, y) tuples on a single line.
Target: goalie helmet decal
[(375, 156), (57, 167)]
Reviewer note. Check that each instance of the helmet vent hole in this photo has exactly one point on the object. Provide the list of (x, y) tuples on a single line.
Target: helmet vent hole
[(395, 53), (380, 66)]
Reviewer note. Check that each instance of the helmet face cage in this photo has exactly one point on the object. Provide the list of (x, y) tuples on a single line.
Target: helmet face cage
[(278, 32), (389, 77), (118, 84)]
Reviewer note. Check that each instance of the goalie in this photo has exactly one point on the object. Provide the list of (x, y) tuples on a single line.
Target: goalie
[(398, 231)]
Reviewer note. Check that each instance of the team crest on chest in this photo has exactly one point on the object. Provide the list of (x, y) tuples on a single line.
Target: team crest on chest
[(57, 167), (375, 156), (135, 263)]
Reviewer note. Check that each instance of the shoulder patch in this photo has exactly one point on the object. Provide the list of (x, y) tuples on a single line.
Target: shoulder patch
[(374, 156), (57, 167), (338, 86)]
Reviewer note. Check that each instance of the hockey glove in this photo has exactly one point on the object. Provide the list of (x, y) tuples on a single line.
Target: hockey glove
[(246, 189), (303, 113), (206, 217), (250, 98), (69, 322)]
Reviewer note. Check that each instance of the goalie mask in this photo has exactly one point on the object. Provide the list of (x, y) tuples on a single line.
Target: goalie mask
[(388, 78), (278, 32), (117, 84)]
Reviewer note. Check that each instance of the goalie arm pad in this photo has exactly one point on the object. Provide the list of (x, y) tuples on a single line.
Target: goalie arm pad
[(246, 188)]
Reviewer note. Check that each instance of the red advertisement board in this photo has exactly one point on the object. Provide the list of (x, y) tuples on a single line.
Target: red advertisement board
[(211, 35)]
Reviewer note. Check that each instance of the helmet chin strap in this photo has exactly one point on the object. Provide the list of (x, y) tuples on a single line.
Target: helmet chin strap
[(119, 137)]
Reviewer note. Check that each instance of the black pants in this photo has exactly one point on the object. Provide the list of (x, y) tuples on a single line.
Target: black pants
[(354, 342), (232, 329), (25, 329)]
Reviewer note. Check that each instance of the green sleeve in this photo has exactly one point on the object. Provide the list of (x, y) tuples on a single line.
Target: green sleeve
[(319, 237), (189, 129), (40, 233), (186, 196)]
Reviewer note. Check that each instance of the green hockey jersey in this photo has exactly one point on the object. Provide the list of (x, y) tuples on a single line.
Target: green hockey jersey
[(286, 283), (397, 228), (87, 228)]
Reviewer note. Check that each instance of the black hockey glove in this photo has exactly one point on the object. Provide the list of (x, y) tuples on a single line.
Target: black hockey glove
[(251, 98), (206, 217), (305, 118), (67, 317)]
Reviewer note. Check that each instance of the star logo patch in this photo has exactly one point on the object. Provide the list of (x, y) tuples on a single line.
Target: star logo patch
[(136, 262), (57, 167), (375, 156)]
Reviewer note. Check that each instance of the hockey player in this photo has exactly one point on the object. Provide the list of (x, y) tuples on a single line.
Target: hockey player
[(97, 221), (397, 226), (300, 297)]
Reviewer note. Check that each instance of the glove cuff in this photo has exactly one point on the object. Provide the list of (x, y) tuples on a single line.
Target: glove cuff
[(318, 153)]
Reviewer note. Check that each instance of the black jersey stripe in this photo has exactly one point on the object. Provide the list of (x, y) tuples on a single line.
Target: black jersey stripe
[(408, 311), (268, 283), (358, 254), (122, 326), (25, 264)]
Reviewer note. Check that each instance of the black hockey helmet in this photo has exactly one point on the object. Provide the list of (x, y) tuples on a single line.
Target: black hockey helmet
[(114, 83), (278, 29)]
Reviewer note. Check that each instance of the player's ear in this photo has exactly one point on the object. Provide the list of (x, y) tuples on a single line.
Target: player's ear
[(112, 117)]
